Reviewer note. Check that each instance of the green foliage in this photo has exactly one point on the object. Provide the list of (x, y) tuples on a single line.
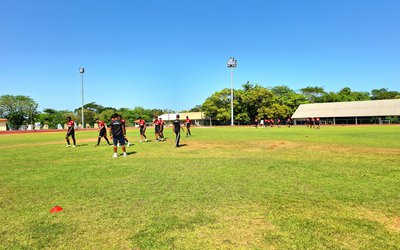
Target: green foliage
[(384, 93), (18, 109), (53, 117)]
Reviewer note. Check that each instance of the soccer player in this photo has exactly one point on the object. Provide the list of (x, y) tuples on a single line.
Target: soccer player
[(162, 123), (177, 130), (317, 122), (142, 127), (117, 134), (124, 127), (70, 132), (256, 123), (156, 123), (312, 122), (278, 122), (188, 123), (288, 122), (102, 132)]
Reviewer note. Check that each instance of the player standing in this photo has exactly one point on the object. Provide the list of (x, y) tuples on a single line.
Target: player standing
[(156, 123), (317, 122), (188, 123), (124, 128), (117, 134), (177, 130), (70, 132), (288, 122), (142, 128), (102, 132), (162, 123)]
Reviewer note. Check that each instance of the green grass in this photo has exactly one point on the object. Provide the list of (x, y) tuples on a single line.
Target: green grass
[(228, 188)]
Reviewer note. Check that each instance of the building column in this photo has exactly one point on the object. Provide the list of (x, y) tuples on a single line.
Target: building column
[(356, 121), (334, 121)]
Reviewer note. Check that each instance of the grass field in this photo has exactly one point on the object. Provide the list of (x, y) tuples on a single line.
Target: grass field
[(228, 188)]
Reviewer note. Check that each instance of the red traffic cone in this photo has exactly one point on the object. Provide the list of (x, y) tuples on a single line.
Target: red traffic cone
[(56, 209)]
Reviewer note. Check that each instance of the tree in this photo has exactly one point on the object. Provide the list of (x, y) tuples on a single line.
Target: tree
[(313, 93), (217, 106), (18, 109), (384, 93)]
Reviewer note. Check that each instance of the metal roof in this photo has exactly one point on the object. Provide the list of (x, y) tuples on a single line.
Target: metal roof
[(389, 107), (192, 116)]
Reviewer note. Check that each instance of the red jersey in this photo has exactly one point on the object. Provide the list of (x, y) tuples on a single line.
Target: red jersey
[(188, 121), (157, 122), (141, 123), (162, 123), (101, 124), (71, 124), (317, 119), (123, 121)]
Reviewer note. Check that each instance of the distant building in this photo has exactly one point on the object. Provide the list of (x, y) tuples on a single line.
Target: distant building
[(357, 112), (198, 118), (3, 124)]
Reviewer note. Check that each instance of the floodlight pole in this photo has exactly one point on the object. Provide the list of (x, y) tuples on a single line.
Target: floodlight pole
[(232, 63), (82, 70)]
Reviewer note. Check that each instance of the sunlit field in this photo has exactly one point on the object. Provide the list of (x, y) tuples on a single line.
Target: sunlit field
[(226, 188)]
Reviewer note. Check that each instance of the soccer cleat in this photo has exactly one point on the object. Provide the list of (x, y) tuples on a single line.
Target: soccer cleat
[(140, 141), (74, 146), (128, 144), (124, 154), (115, 155), (68, 146), (145, 140)]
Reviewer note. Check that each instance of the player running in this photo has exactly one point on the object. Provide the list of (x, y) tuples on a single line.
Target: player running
[(70, 132), (317, 121), (117, 134), (188, 122), (102, 132), (142, 128)]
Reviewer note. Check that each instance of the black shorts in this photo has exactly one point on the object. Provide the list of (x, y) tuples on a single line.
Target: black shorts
[(71, 133), (157, 129), (103, 132), (142, 131)]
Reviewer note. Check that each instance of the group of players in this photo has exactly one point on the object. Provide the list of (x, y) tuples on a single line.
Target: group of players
[(313, 122), (117, 129), (272, 122)]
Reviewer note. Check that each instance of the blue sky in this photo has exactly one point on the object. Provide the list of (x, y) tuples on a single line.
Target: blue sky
[(173, 54)]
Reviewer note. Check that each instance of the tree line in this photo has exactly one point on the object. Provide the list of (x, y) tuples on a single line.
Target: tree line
[(254, 101), (250, 102)]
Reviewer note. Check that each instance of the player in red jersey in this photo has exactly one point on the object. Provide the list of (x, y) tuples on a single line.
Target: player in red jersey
[(312, 122), (102, 132), (188, 122), (142, 127), (124, 129), (156, 123), (278, 122), (288, 122), (317, 121), (70, 132), (162, 123)]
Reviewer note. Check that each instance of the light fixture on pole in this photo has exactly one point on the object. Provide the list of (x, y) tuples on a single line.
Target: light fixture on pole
[(82, 70), (232, 63)]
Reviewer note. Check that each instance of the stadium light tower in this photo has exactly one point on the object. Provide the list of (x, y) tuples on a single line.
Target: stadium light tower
[(82, 70), (232, 63)]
